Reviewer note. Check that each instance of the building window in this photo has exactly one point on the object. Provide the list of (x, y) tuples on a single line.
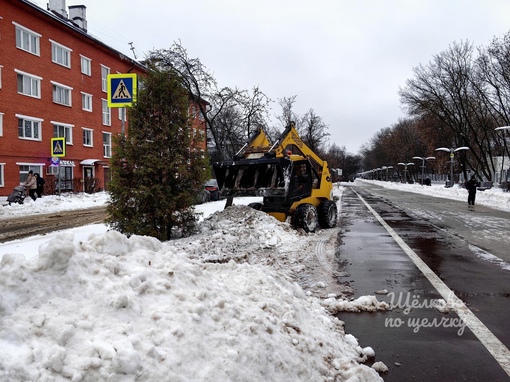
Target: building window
[(27, 40), (60, 54), (87, 137), (63, 177), (107, 113), (25, 168), (29, 128), (2, 184), (1, 124), (61, 94), (86, 101), (1, 76), (28, 84), (104, 77), (86, 65), (107, 145), (61, 130)]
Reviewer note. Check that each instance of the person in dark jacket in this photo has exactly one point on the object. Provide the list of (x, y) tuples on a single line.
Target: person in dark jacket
[(471, 186), (40, 185)]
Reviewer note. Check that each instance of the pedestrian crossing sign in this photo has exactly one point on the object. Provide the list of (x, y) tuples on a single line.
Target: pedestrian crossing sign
[(58, 147), (121, 89)]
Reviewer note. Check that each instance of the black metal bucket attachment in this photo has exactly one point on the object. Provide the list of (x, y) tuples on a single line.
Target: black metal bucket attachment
[(266, 177)]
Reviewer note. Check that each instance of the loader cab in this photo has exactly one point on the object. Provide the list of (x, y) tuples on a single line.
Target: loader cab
[(301, 182), (299, 186)]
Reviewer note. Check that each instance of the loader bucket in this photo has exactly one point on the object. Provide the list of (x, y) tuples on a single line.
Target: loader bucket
[(266, 177)]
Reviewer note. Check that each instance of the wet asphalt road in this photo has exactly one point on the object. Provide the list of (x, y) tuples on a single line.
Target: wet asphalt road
[(449, 239)]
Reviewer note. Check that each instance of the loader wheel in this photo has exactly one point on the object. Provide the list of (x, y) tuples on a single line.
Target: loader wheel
[(256, 206), (328, 214), (305, 216)]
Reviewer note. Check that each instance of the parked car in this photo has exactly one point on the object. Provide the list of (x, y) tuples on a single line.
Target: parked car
[(212, 186), (203, 197)]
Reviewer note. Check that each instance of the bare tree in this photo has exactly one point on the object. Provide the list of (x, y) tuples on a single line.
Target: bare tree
[(230, 114), (229, 132), (493, 67), (375, 154), (393, 145), (445, 90), (310, 126), (338, 158), (288, 115), (225, 123), (313, 131), (255, 110)]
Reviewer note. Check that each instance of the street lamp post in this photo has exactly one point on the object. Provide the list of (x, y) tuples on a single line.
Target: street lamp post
[(405, 169), (423, 165), (452, 152), (502, 128), (387, 168)]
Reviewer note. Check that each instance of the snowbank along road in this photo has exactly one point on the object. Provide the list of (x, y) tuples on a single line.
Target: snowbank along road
[(21, 227)]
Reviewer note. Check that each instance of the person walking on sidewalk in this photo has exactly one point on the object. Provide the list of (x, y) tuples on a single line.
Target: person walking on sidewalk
[(471, 186), (31, 184)]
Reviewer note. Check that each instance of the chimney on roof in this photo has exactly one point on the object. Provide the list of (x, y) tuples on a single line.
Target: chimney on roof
[(58, 7), (78, 15)]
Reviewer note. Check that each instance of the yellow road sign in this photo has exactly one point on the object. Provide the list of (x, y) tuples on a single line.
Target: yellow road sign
[(121, 89), (58, 147)]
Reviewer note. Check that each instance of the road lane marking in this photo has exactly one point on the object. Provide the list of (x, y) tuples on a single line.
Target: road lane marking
[(498, 350)]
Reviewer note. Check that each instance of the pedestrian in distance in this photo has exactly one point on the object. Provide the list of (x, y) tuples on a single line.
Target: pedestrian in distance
[(31, 184), (471, 185), (40, 185)]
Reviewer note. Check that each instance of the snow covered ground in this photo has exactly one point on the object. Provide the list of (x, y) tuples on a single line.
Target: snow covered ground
[(88, 304), (494, 197)]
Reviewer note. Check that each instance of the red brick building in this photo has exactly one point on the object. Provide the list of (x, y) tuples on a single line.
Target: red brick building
[(53, 83)]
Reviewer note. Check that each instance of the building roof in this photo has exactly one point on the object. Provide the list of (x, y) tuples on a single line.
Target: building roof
[(76, 29)]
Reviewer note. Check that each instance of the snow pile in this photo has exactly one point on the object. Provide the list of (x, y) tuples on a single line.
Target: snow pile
[(380, 367), (361, 304), (241, 228), (208, 308), (51, 203), (243, 234)]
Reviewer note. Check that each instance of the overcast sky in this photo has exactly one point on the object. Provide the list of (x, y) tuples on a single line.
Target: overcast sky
[(344, 59)]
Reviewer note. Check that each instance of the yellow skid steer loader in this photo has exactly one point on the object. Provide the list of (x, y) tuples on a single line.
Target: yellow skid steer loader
[(293, 181)]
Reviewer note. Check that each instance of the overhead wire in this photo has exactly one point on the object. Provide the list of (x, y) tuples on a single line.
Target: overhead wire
[(105, 33)]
